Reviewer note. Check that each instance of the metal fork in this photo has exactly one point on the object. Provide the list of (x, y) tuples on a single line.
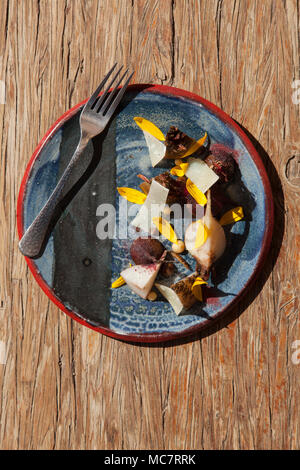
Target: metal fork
[(93, 119)]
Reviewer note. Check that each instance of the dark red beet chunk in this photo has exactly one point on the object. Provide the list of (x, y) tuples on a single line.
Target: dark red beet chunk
[(221, 161), (175, 187), (146, 250), (177, 143)]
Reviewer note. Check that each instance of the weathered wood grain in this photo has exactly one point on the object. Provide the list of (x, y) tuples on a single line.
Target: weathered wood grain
[(64, 386)]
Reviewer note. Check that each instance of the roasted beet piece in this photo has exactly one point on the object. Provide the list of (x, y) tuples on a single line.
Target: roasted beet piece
[(178, 194), (167, 269), (191, 204), (176, 188), (221, 161), (177, 143), (146, 250)]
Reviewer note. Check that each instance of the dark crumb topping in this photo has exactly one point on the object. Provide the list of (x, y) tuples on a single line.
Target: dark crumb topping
[(177, 143), (183, 289), (176, 188), (221, 161)]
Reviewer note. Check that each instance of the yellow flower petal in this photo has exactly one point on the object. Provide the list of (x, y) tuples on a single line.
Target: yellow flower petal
[(197, 289), (195, 192), (165, 229), (132, 195), (201, 235), (196, 145), (118, 283), (148, 126), (179, 170), (202, 140), (234, 215)]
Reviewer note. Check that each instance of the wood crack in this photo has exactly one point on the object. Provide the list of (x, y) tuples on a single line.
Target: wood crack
[(172, 43), (37, 25), (7, 20), (218, 44)]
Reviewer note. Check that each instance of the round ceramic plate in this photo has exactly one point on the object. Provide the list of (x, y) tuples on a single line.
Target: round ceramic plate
[(76, 268)]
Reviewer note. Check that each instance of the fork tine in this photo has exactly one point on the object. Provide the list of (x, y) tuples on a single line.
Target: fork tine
[(105, 93), (112, 94), (94, 96), (118, 98)]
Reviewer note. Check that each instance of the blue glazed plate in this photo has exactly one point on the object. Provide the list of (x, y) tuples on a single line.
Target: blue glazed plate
[(76, 268)]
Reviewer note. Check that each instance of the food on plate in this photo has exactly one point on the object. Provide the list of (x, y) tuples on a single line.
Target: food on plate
[(175, 145), (206, 241), (168, 268), (154, 204), (195, 192), (146, 250), (178, 247), (166, 229), (152, 296), (175, 188), (118, 283), (197, 288), (181, 260), (145, 187), (200, 174), (154, 139), (132, 195), (199, 181), (221, 161), (181, 191), (140, 278), (232, 216), (179, 294)]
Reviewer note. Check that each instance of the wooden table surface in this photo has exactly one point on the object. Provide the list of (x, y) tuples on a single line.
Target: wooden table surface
[(235, 386)]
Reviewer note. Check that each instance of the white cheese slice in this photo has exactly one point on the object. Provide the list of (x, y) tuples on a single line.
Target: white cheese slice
[(152, 207), (171, 297), (200, 174), (156, 148), (140, 278)]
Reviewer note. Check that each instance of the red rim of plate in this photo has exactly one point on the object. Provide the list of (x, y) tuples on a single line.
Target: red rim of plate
[(165, 336)]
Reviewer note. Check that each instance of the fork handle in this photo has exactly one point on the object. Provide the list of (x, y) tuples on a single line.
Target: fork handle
[(31, 242)]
